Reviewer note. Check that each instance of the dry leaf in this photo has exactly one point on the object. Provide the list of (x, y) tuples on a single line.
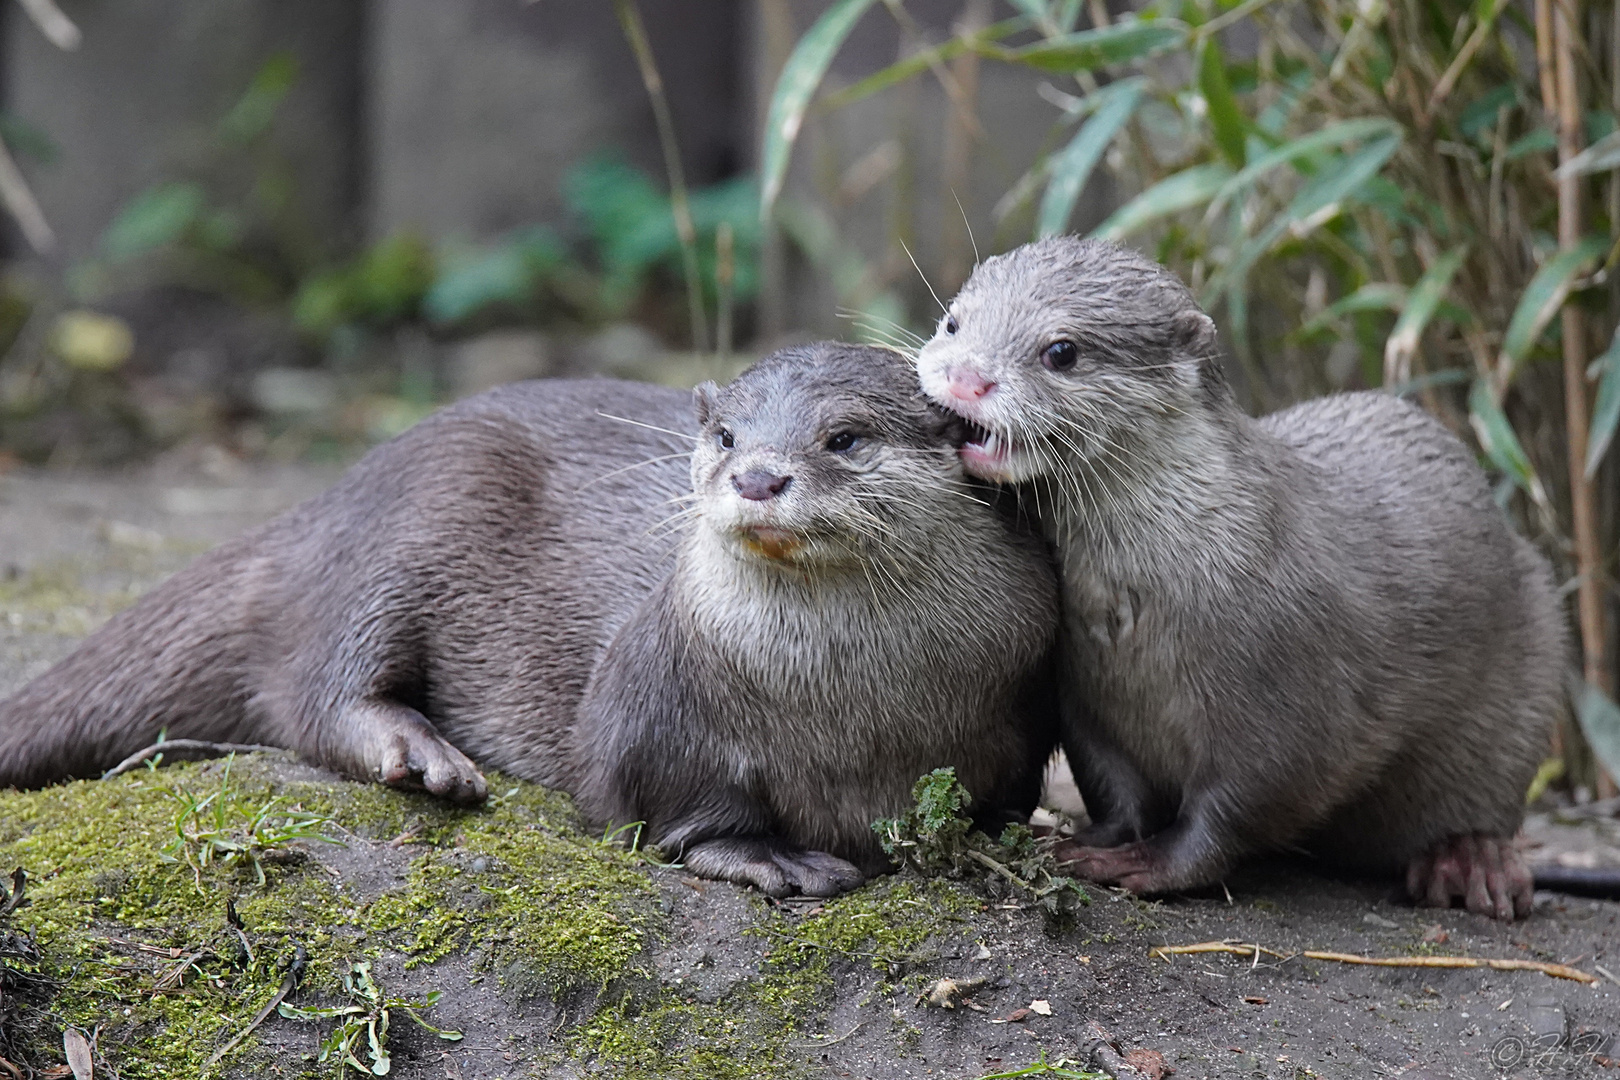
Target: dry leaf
[(1041, 1007), (1150, 1063), (77, 1048), (1257, 1001), (1017, 1016), (1436, 935)]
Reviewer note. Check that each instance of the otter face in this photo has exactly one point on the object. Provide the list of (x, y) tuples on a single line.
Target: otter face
[(1058, 350), (822, 455)]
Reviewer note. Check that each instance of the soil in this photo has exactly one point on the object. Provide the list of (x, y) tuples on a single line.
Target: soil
[(808, 995)]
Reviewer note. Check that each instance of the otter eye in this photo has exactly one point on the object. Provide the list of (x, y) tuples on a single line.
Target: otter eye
[(726, 439), (1060, 355), (842, 441), (950, 324)]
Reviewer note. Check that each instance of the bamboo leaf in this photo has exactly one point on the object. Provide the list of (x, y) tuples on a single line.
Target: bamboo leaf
[(919, 62), (1088, 50), (1497, 439), (1347, 131), (1225, 118), (1599, 718), (1420, 306), (1315, 204), (1601, 156), (1181, 191), (1373, 296), (1544, 295), (1074, 164), (1606, 409), (796, 86)]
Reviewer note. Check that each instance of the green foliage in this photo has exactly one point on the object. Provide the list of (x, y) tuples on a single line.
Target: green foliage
[(366, 1016), (382, 286), (219, 829), (936, 836)]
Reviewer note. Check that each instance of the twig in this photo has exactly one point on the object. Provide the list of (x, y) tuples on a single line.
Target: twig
[(294, 972), (1557, 971), (201, 748), (19, 881)]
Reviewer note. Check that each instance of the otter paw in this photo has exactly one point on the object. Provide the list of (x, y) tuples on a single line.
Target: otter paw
[(397, 745), (1487, 873), (1128, 865), (773, 867)]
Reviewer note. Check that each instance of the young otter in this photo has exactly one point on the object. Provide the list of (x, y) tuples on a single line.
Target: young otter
[(1314, 629), (756, 677)]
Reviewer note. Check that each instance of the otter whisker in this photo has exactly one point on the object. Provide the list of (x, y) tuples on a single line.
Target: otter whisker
[(627, 468), (968, 226), (924, 276), (649, 427)]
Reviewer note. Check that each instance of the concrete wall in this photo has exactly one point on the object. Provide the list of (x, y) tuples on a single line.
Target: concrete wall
[(478, 107), (141, 100)]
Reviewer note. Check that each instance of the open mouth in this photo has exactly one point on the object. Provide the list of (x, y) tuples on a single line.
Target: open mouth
[(984, 453)]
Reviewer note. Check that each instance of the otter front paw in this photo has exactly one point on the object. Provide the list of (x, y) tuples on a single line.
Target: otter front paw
[(773, 867), (1130, 866), (1487, 873), (397, 746)]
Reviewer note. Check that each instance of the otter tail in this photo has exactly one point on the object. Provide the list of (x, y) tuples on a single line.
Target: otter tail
[(178, 662)]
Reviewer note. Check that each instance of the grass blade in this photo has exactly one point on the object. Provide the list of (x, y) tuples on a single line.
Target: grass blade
[(1226, 120), (1606, 409), (1373, 296), (1543, 297), (1421, 303), (796, 86), (1180, 191), (1088, 50), (1074, 164)]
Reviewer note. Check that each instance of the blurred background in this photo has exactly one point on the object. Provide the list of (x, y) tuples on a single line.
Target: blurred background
[(245, 231)]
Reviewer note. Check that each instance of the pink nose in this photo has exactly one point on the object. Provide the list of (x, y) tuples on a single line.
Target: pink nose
[(968, 385)]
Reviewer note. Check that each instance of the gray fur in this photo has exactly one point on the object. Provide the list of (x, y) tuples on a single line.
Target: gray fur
[(1311, 630), (522, 558)]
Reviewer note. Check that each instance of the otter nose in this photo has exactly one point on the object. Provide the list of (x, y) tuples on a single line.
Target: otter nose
[(759, 485), (966, 384)]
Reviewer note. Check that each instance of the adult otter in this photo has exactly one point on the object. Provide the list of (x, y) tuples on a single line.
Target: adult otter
[(1311, 629), (839, 613)]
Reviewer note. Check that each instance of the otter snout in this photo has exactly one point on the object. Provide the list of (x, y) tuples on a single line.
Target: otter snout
[(968, 384), (759, 485)]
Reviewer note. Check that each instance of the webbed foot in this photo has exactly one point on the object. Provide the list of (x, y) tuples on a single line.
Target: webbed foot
[(773, 867), (1487, 873)]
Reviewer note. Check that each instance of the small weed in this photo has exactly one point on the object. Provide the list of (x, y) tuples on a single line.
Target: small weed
[(216, 829), (936, 836), (1060, 1068), (366, 1016)]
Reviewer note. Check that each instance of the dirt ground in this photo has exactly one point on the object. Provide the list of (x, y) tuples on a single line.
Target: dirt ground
[(74, 548)]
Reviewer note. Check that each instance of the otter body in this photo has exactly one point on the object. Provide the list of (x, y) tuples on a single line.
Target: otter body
[(515, 582), (1313, 630)]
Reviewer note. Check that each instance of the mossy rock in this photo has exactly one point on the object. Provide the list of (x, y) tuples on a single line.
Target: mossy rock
[(554, 951)]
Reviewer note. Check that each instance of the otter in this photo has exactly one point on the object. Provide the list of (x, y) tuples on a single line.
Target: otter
[(751, 629), (1312, 630)]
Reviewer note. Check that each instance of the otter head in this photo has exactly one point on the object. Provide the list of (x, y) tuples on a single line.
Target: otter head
[(1064, 348), (824, 454)]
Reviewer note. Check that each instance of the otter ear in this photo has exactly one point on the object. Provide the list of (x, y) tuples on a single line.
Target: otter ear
[(1194, 332), (703, 395)]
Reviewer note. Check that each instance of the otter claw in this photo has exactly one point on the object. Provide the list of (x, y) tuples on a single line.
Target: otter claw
[(1487, 873)]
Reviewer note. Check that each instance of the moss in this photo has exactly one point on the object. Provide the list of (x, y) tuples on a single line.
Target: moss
[(73, 596), (517, 878), (890, 925), (558, 909)]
